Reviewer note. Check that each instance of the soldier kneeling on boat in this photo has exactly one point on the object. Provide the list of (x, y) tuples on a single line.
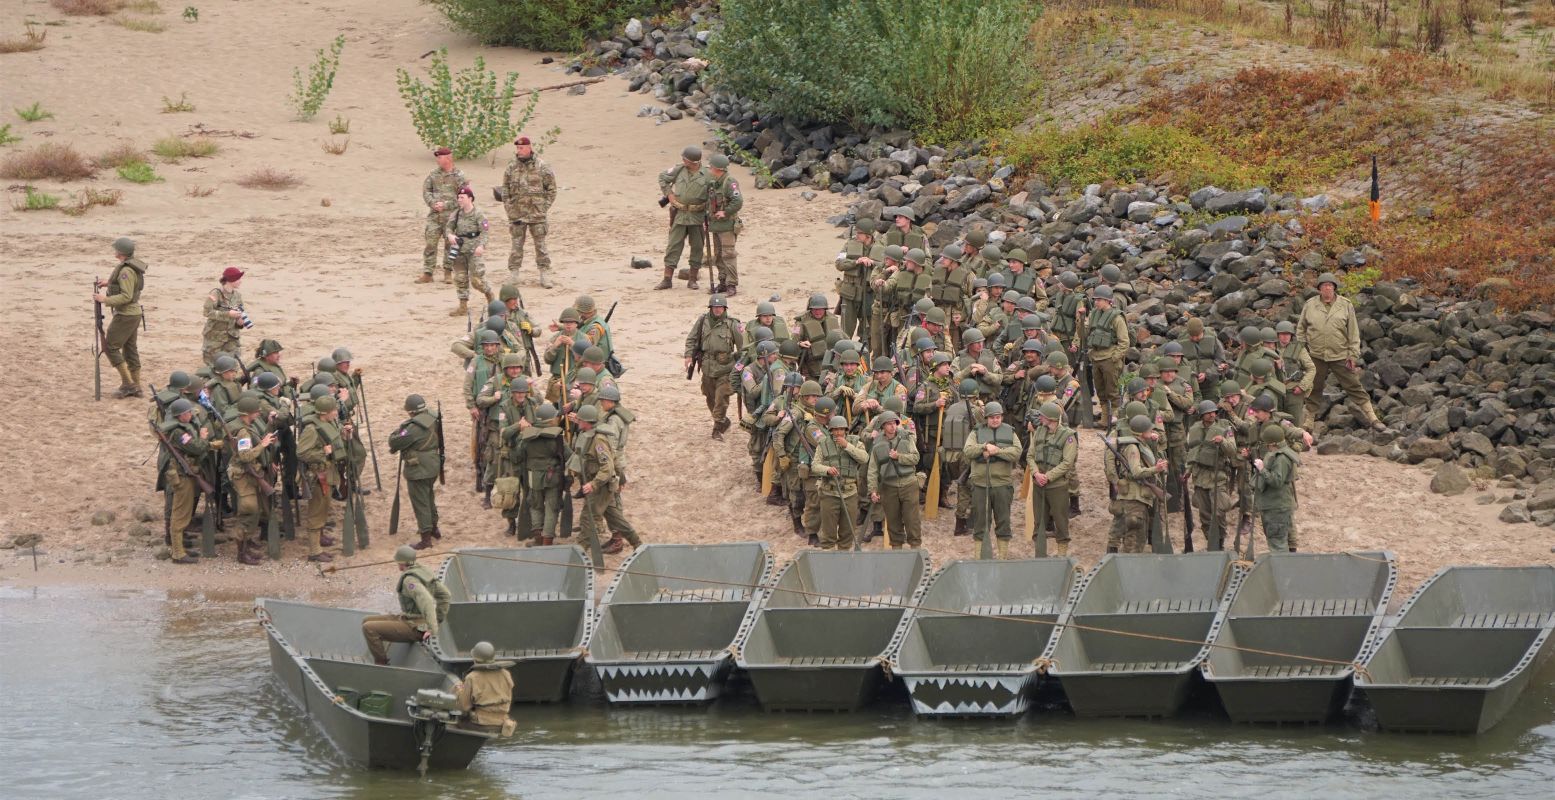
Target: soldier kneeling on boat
[(486, 693), (423, 606)]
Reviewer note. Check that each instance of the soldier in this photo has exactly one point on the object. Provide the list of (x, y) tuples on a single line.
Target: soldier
[(121, 292), (1252, 350), (893, 481), (594, 461), (812, 431), (558, 354), (1211, 446), (480, 370), (528, 190), (784, 417), (421, 459), (857, 259), (977, 363), (766, 317), (423, 602), (713, 342), (1297, 367), (723, 225), (251, 471), (1274, 488), (593, 326), (1020, 384), (267, 359), (1106, 341), (466, 234), (903, 290), (192, 440), (685, 189), (810, 333), (1204, 358), (1068, 303), (488, 424), (990, 453), (322, 450), (906, 234), (438, 191), (541, 454), (1133, 467), (1050, 458), (224, 318), (517, 410), (838, 463), (880, 303), (1264, 381), (952, 290), (1174, 395), (223, 390), (615, 425), (846, 388), (882, 387), (487, 689)]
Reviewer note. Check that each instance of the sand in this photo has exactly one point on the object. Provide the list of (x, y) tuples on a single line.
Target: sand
[(331, 262)]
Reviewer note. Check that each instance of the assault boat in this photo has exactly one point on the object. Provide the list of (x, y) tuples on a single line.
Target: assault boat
[(1465, 646), (974, 645), (1138, 630), (1285, 648), (534, 604), (365, 710), (668, 622), (823, 630)]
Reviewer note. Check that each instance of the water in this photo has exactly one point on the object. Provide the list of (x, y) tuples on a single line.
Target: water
[(130, 695)]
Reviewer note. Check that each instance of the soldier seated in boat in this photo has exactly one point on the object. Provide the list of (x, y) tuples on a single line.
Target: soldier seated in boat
[(486, 692), (423, 606)]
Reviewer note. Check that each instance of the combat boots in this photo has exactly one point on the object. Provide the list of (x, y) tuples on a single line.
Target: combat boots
[(545, 279), (247, 556), (1060, 549), (135, 383), (448, 275), (464, 308), (426, 541), (669, 279), (513, 526), (426, 277), (960, 527), (798, 527), (1074, 505), (126, 382), (615, 545)]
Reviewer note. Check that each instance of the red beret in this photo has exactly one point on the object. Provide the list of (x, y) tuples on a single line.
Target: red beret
[(466, 190), (521, 140), (231, 274), (442, 151)]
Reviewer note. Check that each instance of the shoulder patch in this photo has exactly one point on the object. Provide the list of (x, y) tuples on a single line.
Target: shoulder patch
[(245, 443), (485, 224), (184, 439), (411, 585), (734, 188)]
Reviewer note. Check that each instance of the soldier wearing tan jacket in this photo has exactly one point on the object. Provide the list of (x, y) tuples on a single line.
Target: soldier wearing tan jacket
[(486, 691), (121, 292), (1331, 334)]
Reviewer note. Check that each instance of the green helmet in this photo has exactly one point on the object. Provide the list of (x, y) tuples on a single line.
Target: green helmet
[(611, 393), (268, 346), (509, 291), (586, 375), (488, 337), (1165, 364), (1069, 279), (588, 414), (837, 422), (761, 333), (569, 314), (922, 305), (1250, 335), (1027, 305), (1172, 349), (179, 380), (267, 381), (718, 161), (883, 364), (1230, 387), (326, 364), (1050, 411), (867, 225), (225, 364), (1134, 408), (991, 252), (894, 252), (766, 347), (940, 358), (510, 360), (789, 348), (1046, 384), (849, 356), (887, 416), (915, 255), (934, 316), (1207, 407), (1272, 434), (1328, 277), (1017, 255), (325, 404), (766, 309), (996, 281), (1058, 359), (718, 301), (967, 387), (994, 407), (952, 252), (180, 407), (895, 404), (817, 301), (1264, 402), (825, 405), (415, 403), (546, 411), (979, 283), (971, 336), (905, 212), (832, 338), (124, 246), (496, 324), (1111, 274), (584, 304), (1102, 293), (691, 153), (1010, 296), (1285, 326), (792, 380), (1148, 370), (810, 389), (1135, 386), (405, 554), (519, 384), (483, 652), (1030, 322), (248, 404), (1139, 423), (1261, 368), (594, 354), (923, 344), (341, 355), (319, 389), (496, 308), (977, 237)]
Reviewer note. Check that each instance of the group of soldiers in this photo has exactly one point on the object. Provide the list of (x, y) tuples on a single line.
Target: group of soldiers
[(978, 370)]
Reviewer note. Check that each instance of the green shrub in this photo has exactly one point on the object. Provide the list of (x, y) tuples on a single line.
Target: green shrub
[(468, 112), (6, 136), (950, 69), (34, 113), (308, 93), (139, 172), (544, 24), (1355, 281), (34, 200), (1109, 151)]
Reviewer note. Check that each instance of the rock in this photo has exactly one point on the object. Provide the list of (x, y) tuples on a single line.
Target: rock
[(1142, 211), (1274, 287), (640, 263), (1204, 195), (145, 514), (787, 175), (807, 195), (1514, 513), (634, 29), (1485, 499), (1543, 498), (1416, 333), (1227, 226), (967, 199), (581, 88), (1477, 443), (1450, 479), (1425, 447), (142, 531), (1079, 211), (1232, 304), (103, 517), (162, 553), (1315, 203), (1252, 201)]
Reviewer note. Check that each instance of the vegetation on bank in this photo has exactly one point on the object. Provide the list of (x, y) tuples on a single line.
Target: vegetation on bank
[(545, 24)]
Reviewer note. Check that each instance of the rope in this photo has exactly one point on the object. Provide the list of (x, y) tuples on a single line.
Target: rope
[(1044, 665), (909, 606), (1368, 558)]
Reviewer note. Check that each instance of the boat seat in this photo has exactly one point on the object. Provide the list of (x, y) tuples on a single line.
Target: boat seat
[(1437, 680), (517, 597), (1013, 609), (1324, 607), (672, 655), (824, 661), (1530, 619), (1291, 671), (368, 659), (709, 595), (545, 652), (980, 668), (860, 601), (1166, 605), (1137, 666)]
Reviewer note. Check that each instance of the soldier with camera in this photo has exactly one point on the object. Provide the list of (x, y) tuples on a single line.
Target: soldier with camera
[(225, 319)]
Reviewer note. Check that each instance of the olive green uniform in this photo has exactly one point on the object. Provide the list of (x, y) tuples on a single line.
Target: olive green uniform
[(810, 329), (220, 337), (1134, 463), (1106, 340), (179, 485), (853, 284), (322, 450), (249, 460), (469, 269), (1212, 467), (991, 478), (420, 461), (1051, 453), (1332, 337), (838, 493), (1274, 490), (443, 187), (485, 695), (122, 294), (688, 193), (894, 478), (528, 190), (541, 457), (594, 460), (424, 605), (723, 195), (716, 340)]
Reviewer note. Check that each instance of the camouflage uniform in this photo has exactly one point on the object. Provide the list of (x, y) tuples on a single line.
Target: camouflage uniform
[(439, 186), (469, 269), (221, 329), (528, 190)]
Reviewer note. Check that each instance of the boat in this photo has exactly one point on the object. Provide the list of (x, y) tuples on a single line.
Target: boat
[(1161, 608), (974, 645), (823, 629), (1464, 647), (1327, 606), (534, 604), (322, 662), (667, 624)]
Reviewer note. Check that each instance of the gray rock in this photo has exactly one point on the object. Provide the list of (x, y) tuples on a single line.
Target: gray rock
[(640, 263), (968, 198), (807, 195), (145, 514), (1204, 195), (1142, 211), (1485, 499), (1081, 210), (1232, 304), (1477, 443), (787, 175), (1425, 447), (1543, 498), (103, 517), (1227, 226), (1251, 201), (581, 88), (1416, 333), (1352, 258), (162, 553), (1514, 513), (1274, 287), (1450, 479), (1315, 203), (884, 168), (634, 29)]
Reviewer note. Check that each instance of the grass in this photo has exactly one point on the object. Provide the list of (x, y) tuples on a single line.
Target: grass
[(143, 6), (271, 179), (138, 24), (183, 106), (6, 137), (200, 191), (175, 149), (87, 8), (86, 199), (339, 126), (29, 41), (55, 162), (34, 200), (120, 155), (139, 172), (334, 147), (34, 113), (1126, 152)]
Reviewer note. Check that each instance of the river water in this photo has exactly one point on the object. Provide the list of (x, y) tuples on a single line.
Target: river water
[(146, 694)]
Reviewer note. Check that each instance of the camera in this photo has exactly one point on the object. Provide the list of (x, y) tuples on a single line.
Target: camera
[(663, 201), (243, 318), (453, 252)]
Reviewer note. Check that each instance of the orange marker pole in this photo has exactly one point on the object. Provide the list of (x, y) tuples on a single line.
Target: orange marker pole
[(1376, 193)]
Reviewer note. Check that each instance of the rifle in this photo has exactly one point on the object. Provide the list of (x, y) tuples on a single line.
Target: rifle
[(394, 512), (442, 457), (293, 511), (348, 519), (985, 550), (1187, 512), (1149, 483), (99, 344), (529, 339), (475, 447), (707, 248), (367, 420), (696, 357)]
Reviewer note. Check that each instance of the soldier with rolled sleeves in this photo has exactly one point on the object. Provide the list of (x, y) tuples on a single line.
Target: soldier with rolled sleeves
[(685, 189), (121, 292), (421, 461), (527, 192), (838, 464), (466, 234), (1050, 457), (1106, 341), (424, 603), (724, 202), (438, 192), (991, 452), (893, 481), (714, 341)]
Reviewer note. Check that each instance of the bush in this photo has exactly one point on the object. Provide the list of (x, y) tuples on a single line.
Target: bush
[(270, 178), (86, 199), (468, 113), (6, 136), (34, 200), (951, 69), (139, 172), (174, 148), (52, 162), (544, 24), (308, 93), (87, 8), (1125, 153)]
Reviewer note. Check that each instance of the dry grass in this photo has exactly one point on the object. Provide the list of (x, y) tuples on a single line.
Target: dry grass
[(87, 8), (200, 191), (143, 6), (271, 179), (138, 24), (53, 162), (87, 198), (29, 41), (174, 148), (121, 154), (335, 147), (181, 106)]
